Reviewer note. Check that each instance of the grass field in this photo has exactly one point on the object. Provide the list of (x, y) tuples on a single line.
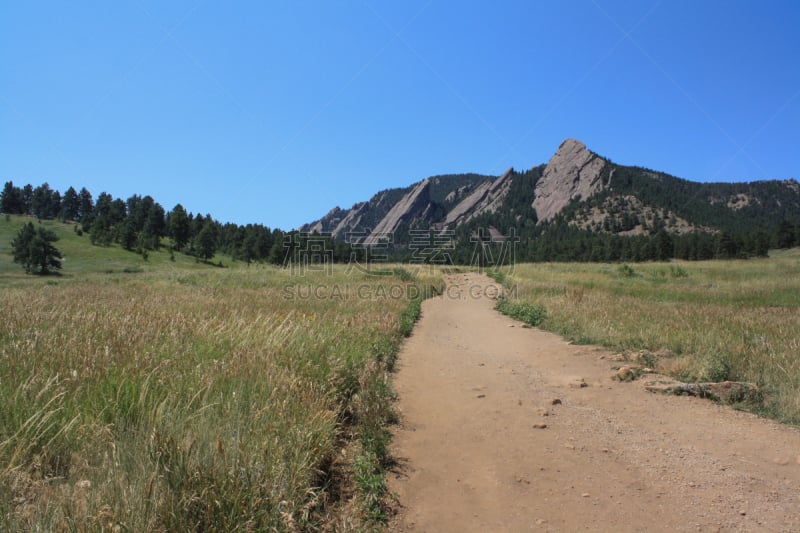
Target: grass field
[(715, 320), (169, 395)]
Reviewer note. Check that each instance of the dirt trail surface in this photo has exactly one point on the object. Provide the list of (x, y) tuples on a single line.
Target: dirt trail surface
[(475, 388)]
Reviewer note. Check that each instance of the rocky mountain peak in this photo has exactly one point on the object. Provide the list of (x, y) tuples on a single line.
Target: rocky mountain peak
[(572, 172)]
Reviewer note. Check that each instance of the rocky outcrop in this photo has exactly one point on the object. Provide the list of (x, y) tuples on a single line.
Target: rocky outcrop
[(792, 185), (627, 215), (339, 222), (352, 219), (573, 172), (357, 222), (486, 198), (455, 196), (413, 208), (330, 220)]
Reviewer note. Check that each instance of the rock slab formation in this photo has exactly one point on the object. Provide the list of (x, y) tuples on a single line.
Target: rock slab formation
[(486, 198), (573, 172), (413, 207)]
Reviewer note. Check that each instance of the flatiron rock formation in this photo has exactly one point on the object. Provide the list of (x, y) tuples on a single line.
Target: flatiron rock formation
[(573, 172)]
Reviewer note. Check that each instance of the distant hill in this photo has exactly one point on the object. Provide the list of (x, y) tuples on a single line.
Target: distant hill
[(440, 195), (577, 194)]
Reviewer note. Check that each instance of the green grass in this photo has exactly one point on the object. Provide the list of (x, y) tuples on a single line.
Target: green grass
[(737, 320), (171, 395), (532, 315), (81, 258)]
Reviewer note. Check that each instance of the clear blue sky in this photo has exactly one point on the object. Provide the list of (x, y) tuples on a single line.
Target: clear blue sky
[(273, 112)]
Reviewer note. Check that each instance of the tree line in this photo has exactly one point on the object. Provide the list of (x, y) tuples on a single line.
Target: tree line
[(140, 224), (560, 241)]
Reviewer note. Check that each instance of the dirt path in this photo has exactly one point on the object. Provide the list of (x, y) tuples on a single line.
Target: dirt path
[(473, 384)]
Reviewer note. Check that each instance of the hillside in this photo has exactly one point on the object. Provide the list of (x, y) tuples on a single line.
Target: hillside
[(443, 194), (81, 257), (577, 196)]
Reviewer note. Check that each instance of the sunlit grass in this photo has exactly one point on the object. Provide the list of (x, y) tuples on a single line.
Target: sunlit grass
[(81, 258), (737, 320), (184, 398)]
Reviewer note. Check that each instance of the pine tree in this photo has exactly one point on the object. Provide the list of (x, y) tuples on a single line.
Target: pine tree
[(26, 200), (101, 234), (126, 235), (277, 254), (179, 227), (44, 254), (41, 201), (154, 227), (21, 246), (726, 246), (33, 249), (117, 212), (785, 235), (85, 209), (70, 205), (665, 248), (761, 244), (11, 200), (206, 241)]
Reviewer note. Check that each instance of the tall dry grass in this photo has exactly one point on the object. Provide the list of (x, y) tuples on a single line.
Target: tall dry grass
[(737, 320), (196, 400)]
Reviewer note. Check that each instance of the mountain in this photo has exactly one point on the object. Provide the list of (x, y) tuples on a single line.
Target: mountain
[(417, 206), (577, 190)]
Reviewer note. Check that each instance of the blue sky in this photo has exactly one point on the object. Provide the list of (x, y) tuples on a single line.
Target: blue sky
[(274, 112)]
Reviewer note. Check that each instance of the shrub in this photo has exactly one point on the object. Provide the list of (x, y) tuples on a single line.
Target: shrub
[(532, 315), (626, 271), (717, 368)]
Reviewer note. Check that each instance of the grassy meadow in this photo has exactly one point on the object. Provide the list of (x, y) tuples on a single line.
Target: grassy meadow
[(702, 321), (163, 394), (168, 395)]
